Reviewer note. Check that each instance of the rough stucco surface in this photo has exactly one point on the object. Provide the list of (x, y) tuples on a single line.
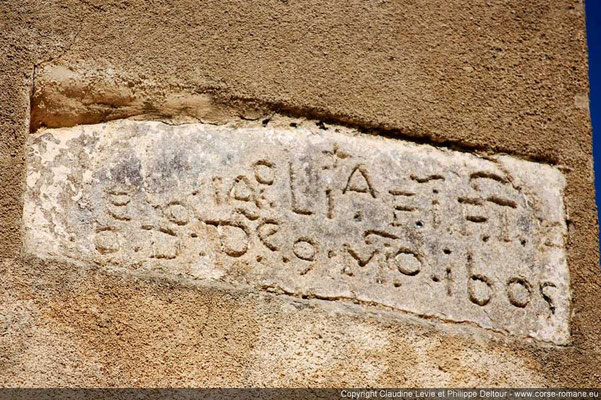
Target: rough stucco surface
[(494, 76)]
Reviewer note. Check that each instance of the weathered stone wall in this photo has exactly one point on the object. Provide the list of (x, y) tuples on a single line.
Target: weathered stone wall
[(341, 194)]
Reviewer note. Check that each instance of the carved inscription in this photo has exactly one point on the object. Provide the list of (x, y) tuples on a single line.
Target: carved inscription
[(330, 214)]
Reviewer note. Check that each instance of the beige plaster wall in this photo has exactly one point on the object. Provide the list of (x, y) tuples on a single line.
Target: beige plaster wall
[(487, 77)]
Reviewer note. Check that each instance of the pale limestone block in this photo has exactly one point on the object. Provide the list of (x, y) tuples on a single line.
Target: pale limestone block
[(329, 214)]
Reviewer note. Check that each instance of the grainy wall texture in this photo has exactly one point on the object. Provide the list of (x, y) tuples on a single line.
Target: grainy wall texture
[(249, 215)]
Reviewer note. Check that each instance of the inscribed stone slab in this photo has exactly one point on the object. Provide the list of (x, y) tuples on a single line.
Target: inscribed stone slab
[(321, 213)]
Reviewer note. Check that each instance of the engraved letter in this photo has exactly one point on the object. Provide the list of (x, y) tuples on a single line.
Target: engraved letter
[(294, 200), (358, 181), (234, 237), (518, 292), (407, 262), (479, 287)]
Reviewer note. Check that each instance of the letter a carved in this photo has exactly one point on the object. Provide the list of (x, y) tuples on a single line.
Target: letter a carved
[(359, 182)]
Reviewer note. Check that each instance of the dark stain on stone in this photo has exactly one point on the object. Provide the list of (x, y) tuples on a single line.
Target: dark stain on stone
[(126, 170)]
